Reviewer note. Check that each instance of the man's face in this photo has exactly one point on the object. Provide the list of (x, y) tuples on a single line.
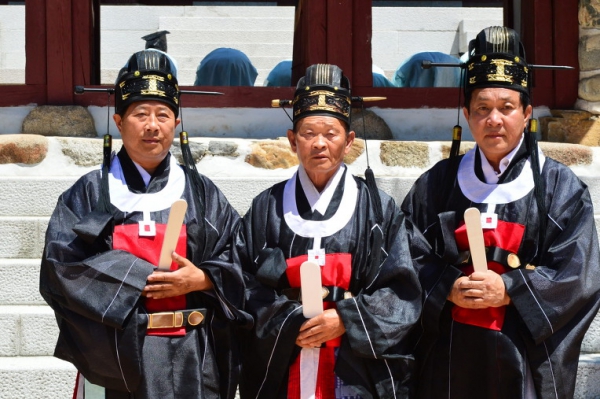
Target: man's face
[(497, 120), (147, 129), (321, 143)]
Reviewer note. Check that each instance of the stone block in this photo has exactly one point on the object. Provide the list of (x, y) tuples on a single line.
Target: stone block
[(589, 88), (367, 124), (358, 147), (223, 148), (404, 153), (38, 332), (272, 154), (396, 187), (464, 147), (39, 377), (568, 126), (591, 341), (589, 14), (588, 383), (19, 236), (568, 154), (19, 279), (53, 120), (22, 148), (198, 150), (31, 195), (84, 151), (589, 52), (9, 339), (592, 107)]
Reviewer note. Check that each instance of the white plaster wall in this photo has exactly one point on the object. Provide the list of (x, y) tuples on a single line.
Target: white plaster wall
[(12, 44)]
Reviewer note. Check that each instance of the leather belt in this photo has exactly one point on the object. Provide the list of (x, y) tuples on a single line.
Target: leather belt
[(176, 319), (330, 293)]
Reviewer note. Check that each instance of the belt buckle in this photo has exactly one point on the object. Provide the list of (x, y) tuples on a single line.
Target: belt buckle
[(165, 320), (161, 320)]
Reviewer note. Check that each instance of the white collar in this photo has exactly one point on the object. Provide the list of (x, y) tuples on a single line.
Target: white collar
[(126, 201), (319, 200), (482, 193), (490, 175), (319, 228), (143, 172)]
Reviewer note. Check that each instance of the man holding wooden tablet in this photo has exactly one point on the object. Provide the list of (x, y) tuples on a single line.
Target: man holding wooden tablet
[(330, 280), (136, 264), (509, 326)]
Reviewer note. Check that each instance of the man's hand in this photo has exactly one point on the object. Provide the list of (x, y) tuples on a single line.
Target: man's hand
[(313, 332), (479, 290), (187, 278)]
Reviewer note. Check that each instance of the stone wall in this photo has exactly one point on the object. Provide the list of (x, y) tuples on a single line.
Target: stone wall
[(589, 56)]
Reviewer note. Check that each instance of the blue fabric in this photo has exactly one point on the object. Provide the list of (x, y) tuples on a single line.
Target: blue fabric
[(280, 75), (380, 80), (225, 67), (411, 74)]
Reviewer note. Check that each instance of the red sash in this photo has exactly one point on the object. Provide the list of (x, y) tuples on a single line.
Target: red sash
[(336, 272), (507, 236), (126, 238)]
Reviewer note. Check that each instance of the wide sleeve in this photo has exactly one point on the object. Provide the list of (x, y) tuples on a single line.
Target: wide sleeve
[(217, 258), (562, 289), (94, 292), (425, 230), (85, 277), (380, 319)]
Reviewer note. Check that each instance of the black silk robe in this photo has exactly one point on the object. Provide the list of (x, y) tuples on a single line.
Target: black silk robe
[(375, 356), (95, 291), (553, 300)]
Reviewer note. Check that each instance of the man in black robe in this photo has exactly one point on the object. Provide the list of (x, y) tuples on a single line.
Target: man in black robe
[(515, 330), (136, 331), (359, 347)]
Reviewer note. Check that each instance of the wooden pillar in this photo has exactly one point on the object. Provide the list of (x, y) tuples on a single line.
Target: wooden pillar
[(550, 34), (72, 49), (565, 28), (59, 52), (86, 42), (35, 42), (334, 32)]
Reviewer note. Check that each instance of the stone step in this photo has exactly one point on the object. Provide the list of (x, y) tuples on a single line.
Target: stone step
[(243, 23), (42, 193), (19, 279), (39, 377), (44, 377), (27, 331), (23, 236)]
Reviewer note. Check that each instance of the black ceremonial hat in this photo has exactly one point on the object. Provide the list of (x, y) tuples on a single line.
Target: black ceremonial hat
[(324, 90), (497, 59), (157, 40), (148, 75)]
